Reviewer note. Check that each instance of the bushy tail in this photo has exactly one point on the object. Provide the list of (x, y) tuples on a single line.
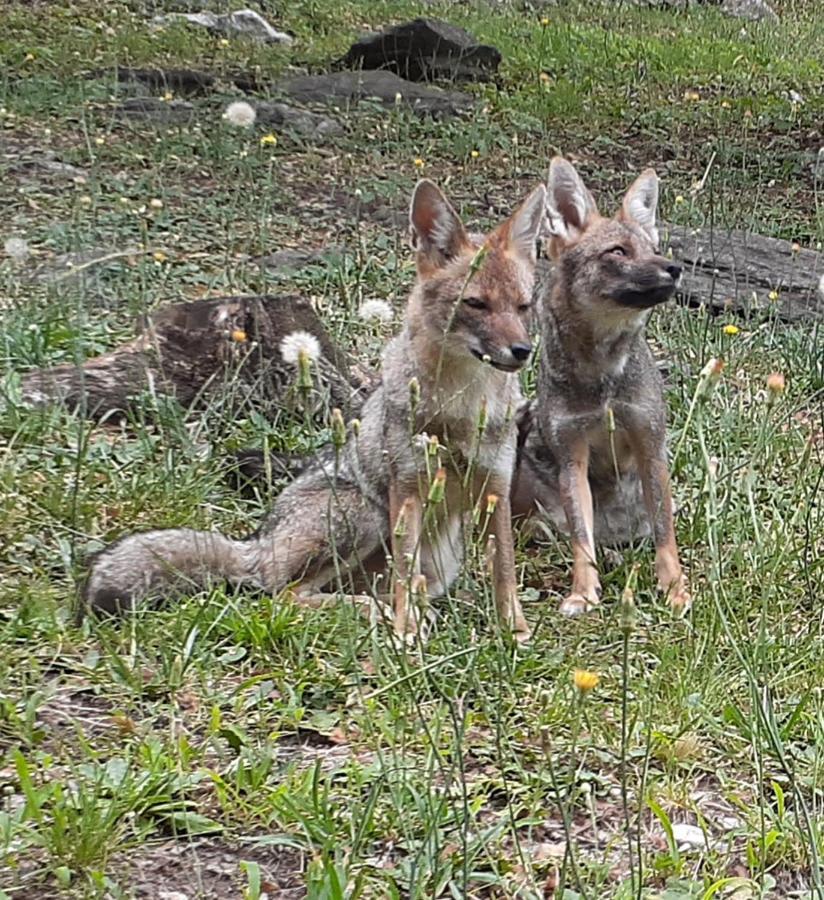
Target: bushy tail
[(162, 564)]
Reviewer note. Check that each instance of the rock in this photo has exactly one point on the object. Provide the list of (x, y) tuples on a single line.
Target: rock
[(49, 166), (751, 10), (177, 112), (423, 50), (178, 81), (299, 121), (344, 88), (689, 837), (242, 23), (224, 349), (289, 260), (730, 269)]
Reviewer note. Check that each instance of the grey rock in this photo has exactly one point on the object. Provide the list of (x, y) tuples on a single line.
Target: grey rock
[(345, 88), (299, 121), (751, 10), (423, 50), (49, 166), (243, 23), (172, 112)]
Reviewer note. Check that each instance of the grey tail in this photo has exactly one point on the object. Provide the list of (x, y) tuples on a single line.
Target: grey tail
[(162, 565)]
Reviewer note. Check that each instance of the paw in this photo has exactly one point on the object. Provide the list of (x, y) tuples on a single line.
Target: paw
[(680, 599), (677, 591), (576, 604), (522, 635)]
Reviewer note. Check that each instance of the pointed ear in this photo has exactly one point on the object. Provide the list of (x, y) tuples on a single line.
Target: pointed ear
[(570, 207), (436, 231), (527, 224), (641, 203)]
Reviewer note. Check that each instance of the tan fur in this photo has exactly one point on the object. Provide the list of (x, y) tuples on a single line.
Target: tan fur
[(596, 442), (464, 339)]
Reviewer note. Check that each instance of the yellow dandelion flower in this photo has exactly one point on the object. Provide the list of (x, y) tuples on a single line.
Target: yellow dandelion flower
[(223, 42), (731, 329), (100, 141), (159, 256), (239, 336), (725, 104), (692, 96), (773, 295), (155, 203), (585, 681), (268, 140), (545, 22), (168, 96), (679, 199), (418, 162), (544, 77), (474, 154), (491, 503), (29, 57)]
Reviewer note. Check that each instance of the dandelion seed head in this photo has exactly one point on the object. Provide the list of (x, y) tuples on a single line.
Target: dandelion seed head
[(297, 344), (240, 114), (376, 311), (17, 248)]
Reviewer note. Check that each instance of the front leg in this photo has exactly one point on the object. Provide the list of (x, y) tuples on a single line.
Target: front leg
[(652, 463), (406, 518), (503, 568), (576, 498)]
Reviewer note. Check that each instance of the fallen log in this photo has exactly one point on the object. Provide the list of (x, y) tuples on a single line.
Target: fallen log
[(224, 350), (728, 269)]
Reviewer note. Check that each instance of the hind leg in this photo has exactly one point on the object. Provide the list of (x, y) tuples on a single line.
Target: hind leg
[(319, 536)]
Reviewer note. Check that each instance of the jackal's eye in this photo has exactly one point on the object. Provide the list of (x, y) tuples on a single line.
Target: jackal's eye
[(524, 307), (475, 303), (617, 250)]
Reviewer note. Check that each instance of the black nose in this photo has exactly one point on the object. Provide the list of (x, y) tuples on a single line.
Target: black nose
[(675, 271), (521, 351)]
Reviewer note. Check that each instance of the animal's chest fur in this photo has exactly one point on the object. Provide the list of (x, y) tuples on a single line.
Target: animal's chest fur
[(473, 419)]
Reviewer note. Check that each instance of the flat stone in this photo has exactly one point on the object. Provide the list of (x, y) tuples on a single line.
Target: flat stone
[(345, 88), (241, 23), (167, 111), (49, 166), (424, 50), (302, 122), (751, 10)]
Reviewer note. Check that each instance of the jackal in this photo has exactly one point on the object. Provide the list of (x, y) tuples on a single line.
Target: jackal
[(436, 441), (594, 452)]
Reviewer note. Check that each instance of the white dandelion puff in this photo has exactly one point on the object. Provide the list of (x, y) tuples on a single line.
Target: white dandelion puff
[(376, 311), (297, 344), (240, 114), (16, 248)]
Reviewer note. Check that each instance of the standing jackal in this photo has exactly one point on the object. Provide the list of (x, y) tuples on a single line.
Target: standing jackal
[(595, 455), (437, 439)]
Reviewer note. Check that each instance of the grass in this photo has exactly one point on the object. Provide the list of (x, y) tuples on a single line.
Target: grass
[(231, 744)]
